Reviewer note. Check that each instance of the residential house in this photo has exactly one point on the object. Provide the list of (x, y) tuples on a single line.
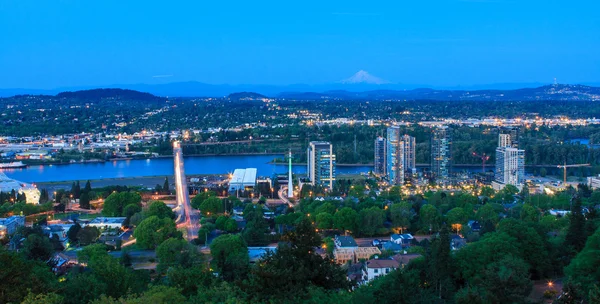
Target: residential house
[(378, 267), (404, 259), (457, 242), (391, 247), (474, 225), (402, 239), (345, 242)]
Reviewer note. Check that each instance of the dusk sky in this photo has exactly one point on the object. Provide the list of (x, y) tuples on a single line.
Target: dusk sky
[(49, 44)]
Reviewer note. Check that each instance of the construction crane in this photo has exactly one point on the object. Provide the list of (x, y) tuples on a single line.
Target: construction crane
[(484, 158), (565, 166)]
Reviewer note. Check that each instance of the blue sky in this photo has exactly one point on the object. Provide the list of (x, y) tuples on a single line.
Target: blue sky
[(48, 44)]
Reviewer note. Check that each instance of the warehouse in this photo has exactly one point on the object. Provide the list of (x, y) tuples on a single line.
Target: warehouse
[(243, 179)]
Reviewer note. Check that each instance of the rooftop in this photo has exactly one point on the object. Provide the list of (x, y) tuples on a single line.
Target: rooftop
[(382, 264), (108, 220), (345, 241)]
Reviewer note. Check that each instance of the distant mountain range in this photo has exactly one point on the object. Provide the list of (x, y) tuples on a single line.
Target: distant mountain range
[(361, 85), (547, 92)]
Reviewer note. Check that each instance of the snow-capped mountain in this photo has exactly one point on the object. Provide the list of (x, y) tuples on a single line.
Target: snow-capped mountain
[(365, 78)]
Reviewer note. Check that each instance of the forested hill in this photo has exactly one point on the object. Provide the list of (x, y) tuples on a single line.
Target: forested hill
[(549, 92), (115, 94), (245, 96)]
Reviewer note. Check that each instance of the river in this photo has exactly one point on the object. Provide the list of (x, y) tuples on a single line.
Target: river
[(159, 167)]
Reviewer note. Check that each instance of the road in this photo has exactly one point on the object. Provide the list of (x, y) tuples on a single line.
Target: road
[(281, 193), (188, 218)]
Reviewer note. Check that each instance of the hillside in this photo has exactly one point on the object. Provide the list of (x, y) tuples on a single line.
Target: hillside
[(245, 96), (114, 94), (549, 92)]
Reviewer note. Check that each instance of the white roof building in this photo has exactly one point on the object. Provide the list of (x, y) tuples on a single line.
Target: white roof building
[(32, 194), (242, 179)]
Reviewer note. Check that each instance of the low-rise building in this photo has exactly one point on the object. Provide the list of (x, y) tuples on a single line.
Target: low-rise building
[(10, 225), (107, 222), (402, 239), (345, 242), (378, 267), (593, 182)]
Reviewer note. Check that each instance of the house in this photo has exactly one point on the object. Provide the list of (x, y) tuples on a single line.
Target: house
[(343, 255), (378, 267), (365, 253), (474, 225), (345, 242), (404, 259), (402, 239), (238, 212), (391, 247), (457, 242), (355, 273), (350, 254), (60, 231), (61, 263)]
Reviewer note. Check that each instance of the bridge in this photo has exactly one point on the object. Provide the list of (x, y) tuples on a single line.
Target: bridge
[(187, 217)]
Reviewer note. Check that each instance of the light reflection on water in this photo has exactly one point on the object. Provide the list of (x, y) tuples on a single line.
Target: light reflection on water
[(159, 166)]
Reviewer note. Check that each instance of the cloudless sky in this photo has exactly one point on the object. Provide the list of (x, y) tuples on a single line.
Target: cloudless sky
[(54, 43)]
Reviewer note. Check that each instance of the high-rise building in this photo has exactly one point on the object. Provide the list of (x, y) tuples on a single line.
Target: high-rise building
[(320, 163), (509, 137), (441, 152), (380, 155), (510, 164), (395, 156), (410, 160)]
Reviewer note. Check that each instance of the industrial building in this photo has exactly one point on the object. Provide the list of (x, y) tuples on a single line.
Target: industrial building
[(243, 180)]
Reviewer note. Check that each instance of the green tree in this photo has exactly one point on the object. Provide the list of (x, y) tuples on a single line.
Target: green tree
[(401, 215), (346, 219), (529, 214), (487, 213), (88, 187), (84, 200), (211, 205), (152, 231), (37, 247), (88, 235), (176, 252), (371, 220), (576, 235), (230, 257), (441, 265), (165, 187), (582, 273), (160, 210), (324, 220), (46, 298), (18, 276), (287, 274), (430, 217), (255, 233), (507, 281), (456, 216), (72, 233), (200, 197), (116, 202)]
